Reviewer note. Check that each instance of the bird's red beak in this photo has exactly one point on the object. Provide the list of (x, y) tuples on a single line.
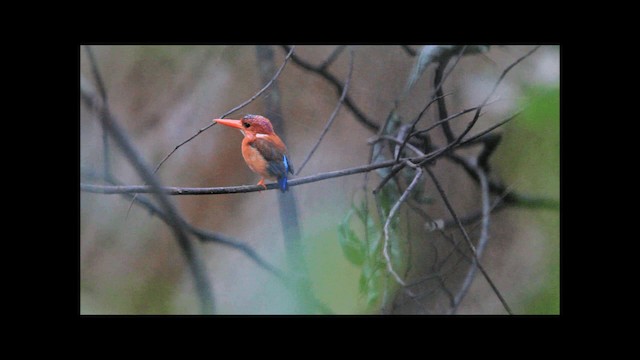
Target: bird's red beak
[(231, 123)]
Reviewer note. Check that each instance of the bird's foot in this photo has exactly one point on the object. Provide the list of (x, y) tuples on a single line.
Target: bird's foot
[(261, 183)]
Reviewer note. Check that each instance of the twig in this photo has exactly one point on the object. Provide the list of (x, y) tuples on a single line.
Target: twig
[(449, 118), (195, 262), (468, 240), (360, 116), (482, 241), (105, 107), (415, 122), (438, 82), (390, 216), (495, 86), (333, 115)]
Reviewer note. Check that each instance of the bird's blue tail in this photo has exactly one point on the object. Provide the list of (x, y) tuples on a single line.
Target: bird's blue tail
[(284, 186)]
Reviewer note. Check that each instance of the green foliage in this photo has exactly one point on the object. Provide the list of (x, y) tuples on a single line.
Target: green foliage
[(364, 248), (529, 158)]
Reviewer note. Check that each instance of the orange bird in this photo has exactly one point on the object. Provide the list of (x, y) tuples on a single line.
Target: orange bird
[(262, 149)]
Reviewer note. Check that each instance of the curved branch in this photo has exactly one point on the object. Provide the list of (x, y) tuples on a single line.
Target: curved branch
[(468, 239)]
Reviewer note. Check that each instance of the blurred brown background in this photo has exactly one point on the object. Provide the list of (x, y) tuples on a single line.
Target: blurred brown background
[(163, 94)]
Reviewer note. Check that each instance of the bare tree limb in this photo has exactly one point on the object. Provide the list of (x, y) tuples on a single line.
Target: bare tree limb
[(103, 96), (333, 115), (468, 240), (195, 262), (387, 223), (482, 241)]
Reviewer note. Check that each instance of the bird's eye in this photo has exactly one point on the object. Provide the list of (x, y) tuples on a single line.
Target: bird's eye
[(246, 124)]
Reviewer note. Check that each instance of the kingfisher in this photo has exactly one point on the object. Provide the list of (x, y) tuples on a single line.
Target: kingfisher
[(262, 150)]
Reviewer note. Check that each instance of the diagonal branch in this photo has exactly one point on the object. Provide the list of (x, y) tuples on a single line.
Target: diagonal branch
[(482, 241), (468, 240), (195, 262), (495, 86), (333, 115)]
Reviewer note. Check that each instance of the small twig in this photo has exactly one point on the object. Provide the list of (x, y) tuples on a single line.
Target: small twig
[(482, 241), (387, 223), (495, 86), (438, 82), (472, 140), (449, 118), (105, 107), (333, 115), (468, 240), (360, 116), (415, 122)]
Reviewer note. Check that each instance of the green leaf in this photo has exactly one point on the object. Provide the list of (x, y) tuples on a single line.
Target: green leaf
[(372, 296)]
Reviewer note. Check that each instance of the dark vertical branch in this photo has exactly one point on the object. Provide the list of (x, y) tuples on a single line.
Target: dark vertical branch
[(174, 220), (287, 202), (442, 107), (438, 82)]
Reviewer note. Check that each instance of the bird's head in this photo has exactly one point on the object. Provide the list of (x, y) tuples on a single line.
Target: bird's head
[(255, 124)]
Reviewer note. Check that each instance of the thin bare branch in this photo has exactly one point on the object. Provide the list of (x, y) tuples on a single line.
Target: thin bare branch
[(438, 82), (360, 116), (105, 107), (495, 86), (449, 118), (387, 223), (415, 122), (468, 240), (482, 240), (333, 115)]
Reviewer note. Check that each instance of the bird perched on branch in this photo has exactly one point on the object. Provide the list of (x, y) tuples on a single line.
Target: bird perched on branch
[(262, 150)]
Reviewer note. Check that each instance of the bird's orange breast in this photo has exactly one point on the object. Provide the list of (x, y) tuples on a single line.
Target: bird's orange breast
[(254, 159)]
